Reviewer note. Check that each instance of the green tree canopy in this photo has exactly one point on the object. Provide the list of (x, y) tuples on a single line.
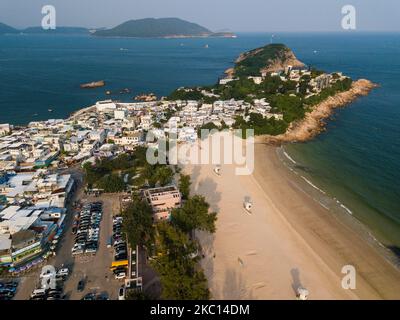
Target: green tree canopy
[(194, 214), (111, 183), (184, 185), (138, 223), (176, 265)]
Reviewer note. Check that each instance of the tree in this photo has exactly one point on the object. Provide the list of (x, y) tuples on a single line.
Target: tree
[(111, 183), (184, 186), (194, 215), (176, 265), (157, 174), (164, 175), (138, 223)]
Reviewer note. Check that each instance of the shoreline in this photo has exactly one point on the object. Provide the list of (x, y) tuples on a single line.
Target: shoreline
[(314, 121), (282, 244), (337, 208)]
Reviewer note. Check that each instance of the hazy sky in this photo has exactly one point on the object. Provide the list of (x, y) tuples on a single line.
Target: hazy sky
[(235, 15)]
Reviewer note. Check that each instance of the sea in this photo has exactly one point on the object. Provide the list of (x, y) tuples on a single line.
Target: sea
[(355, 162)]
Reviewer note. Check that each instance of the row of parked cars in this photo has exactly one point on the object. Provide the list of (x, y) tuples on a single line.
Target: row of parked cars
[(120, 248), (8, 289), (50, 290), (87, 229)]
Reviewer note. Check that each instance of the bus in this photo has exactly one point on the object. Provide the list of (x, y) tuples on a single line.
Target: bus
[(118, 264)]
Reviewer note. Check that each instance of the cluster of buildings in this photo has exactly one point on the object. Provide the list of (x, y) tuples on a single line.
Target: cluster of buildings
[(315, 85), (33, 210), (33, 192)]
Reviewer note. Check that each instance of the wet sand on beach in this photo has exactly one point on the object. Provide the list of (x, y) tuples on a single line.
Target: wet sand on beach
[(288, 241)]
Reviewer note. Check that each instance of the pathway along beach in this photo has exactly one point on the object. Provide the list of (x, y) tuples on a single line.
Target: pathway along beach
[(289, 239)]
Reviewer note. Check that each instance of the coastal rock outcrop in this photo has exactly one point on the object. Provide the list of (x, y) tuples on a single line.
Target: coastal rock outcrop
[(314, 121), (95, 84)]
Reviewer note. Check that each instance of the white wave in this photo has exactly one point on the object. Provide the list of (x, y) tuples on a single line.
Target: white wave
[(347, 209), (313, 185), (289, 157), (323, 205)]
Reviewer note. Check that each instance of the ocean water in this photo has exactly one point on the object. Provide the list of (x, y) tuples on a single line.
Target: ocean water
[(356, 160)]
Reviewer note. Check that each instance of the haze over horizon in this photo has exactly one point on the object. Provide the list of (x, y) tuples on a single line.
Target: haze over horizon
[(251, 16)]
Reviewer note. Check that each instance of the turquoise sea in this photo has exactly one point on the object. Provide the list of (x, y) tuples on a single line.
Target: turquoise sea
[(356, 160)]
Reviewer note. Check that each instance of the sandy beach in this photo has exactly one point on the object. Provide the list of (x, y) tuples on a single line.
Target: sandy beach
[(289, 239)]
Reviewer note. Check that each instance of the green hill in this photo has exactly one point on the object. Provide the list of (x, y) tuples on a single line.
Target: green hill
[(156, 28), (6, 29), (272, 57)]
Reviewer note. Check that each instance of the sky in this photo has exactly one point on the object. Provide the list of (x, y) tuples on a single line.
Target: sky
[(217, 15)]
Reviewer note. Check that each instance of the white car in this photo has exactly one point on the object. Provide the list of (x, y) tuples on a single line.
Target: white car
[(63, 272), (77, 251), (121, 275), (90, 250), (121, 293), (38, 292)]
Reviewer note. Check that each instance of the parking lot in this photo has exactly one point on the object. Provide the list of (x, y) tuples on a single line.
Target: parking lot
[(92, 270)]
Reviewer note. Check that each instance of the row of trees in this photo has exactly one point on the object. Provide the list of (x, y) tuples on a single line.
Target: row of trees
[(260, 125), (176, 254), (179, 253)]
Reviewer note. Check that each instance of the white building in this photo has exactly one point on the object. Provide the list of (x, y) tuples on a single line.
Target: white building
[(5, 129), (120, 114), (105, 105)]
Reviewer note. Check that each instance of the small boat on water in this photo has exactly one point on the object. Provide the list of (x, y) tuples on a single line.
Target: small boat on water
[(50, 110), (126, 90)]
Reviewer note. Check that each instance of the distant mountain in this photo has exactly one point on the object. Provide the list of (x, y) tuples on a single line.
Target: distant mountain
[(159, 28), (6, 29), (58, 30)]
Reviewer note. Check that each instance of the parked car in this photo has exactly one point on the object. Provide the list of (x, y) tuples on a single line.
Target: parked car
[(81, 285), (63, 272), (89, 296), (121, 275), (121, 293)]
